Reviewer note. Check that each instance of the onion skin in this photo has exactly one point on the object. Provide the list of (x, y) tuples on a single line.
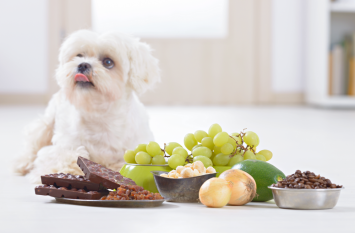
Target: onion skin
[(244, 186), (215, 192)]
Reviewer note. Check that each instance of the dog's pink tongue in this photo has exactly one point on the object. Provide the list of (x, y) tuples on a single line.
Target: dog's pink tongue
[(81, 78)]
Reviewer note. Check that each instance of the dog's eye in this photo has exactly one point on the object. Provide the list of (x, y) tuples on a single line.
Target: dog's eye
[(108, 63), (79, 55)]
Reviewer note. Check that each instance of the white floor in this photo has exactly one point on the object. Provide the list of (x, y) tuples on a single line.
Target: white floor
[(302, 138)]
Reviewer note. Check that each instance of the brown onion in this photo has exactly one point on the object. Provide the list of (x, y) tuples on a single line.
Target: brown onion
[(244, 186), (215, 192)]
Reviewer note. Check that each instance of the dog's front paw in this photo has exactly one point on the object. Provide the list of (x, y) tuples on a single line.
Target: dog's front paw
[(23, 165), (34, 177), (22, 168), (81, 151)]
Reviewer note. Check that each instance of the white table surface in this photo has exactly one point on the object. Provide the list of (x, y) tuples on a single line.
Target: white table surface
[(301, 138)]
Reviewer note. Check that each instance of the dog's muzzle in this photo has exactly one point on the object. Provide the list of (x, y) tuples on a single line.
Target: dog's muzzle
[(81, 78), (84, 68)]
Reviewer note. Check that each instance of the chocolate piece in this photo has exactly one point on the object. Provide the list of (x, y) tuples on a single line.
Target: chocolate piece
[(68, 193), (43, 189), (70, 181), (100, 174)]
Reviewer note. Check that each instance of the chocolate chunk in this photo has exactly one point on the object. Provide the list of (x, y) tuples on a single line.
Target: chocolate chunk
[(100, 174), (67, 193), (69, 180)]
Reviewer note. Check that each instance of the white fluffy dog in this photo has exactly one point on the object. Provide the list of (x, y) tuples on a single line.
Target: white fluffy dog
[(96, 113)]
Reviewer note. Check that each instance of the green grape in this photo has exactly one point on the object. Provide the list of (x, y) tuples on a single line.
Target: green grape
[(143, 158), (208, 142), (171, 146), (253, 149), (232, 142), (237, 139), (251, 139), (260, 157), (198, 145), (217, 150), (206, 161), (199, 135), (175, 161), (190, 141), (214, 130), (153, 149), (140, 147), (129, 156), (266, 153), (180, 151), (220, 139), (240, 151), (202, 151), (213, 155), (235, 159), (249, 155), (162, 153), (158, 159), (221, 160), (227, 149)]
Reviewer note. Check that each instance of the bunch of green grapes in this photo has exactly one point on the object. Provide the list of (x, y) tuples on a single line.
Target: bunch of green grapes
[(218, 148), (150, 153), (213, 148)]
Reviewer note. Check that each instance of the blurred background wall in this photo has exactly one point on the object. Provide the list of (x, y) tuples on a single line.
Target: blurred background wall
[(23, 50), (211, 51), (30, 37)]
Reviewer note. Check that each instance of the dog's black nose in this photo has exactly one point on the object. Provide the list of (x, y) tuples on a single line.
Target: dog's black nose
[(83, 67)]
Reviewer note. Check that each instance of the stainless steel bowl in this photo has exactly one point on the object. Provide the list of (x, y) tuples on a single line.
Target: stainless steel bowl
[(180, 190), (305, 199)]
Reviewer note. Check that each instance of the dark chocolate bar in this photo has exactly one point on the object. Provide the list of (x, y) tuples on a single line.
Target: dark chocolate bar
[(99, 174), (69, 181), (68, 193)]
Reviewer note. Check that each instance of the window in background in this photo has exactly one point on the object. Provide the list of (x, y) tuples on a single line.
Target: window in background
[(161, 18)]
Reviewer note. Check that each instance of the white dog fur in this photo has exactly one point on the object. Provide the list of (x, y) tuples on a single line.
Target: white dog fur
[(98, 122)]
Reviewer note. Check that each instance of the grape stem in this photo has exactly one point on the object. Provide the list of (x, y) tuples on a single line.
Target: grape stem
[(188, 159), (240, 147), (164, 151)]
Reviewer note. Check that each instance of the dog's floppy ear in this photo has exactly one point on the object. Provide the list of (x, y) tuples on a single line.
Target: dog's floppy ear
[(144, 69)]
